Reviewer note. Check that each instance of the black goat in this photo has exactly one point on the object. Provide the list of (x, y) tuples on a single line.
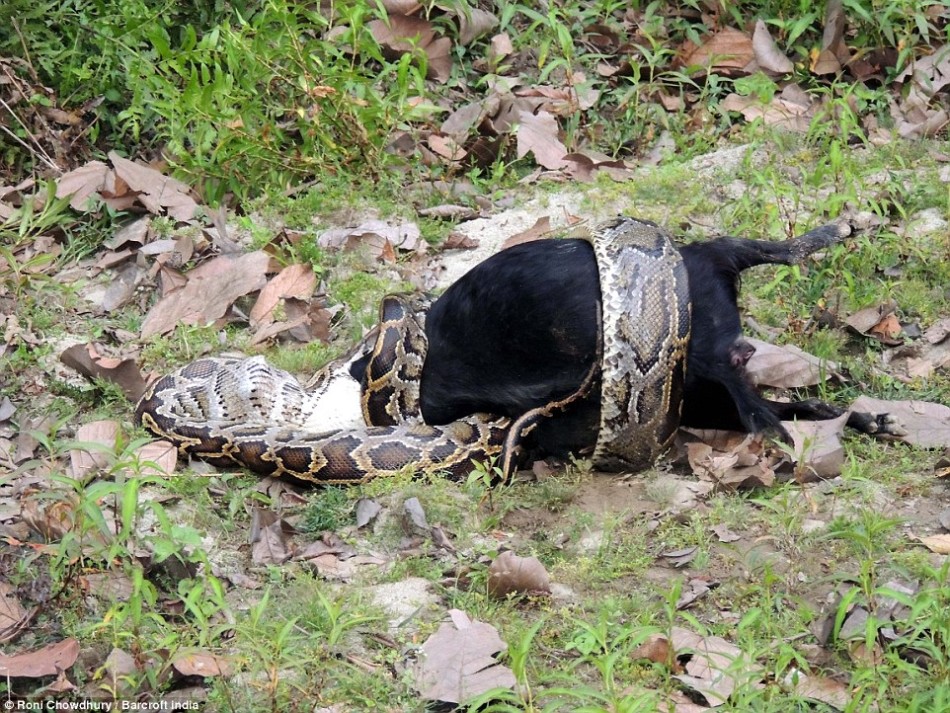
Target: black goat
[(520, 330)]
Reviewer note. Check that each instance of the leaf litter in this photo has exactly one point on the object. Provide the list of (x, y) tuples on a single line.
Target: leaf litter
[(497, 117)]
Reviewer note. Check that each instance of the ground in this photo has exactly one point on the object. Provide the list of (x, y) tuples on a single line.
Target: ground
[(248, 594)]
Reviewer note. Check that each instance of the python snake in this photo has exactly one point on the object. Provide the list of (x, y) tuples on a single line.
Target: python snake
[(242, 411)]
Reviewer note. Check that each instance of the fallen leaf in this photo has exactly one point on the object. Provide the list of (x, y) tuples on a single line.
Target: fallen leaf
[(819, 688), (366, 511), (681, 557), (81, 184), (728, 49), (656, 648), (51, 520), (399, 35), (120, 670), (97, 433), (448, 211), (415, 515), (938, 331), (500, 47), (786, 111), (731, 460), (786, 367), (938, 544), (135, 233), (7, 409), (201, 663), (767, 54), (209, 293), (456, 663), (541, 227), (294, 281), (163, 454), (12, 614), (715, 667), (538, 135), (878, 322), (694, 590), (724, 534), (473, 21), (818, 450), (373, 236), (125, 373), (446, 147), (158, 193), (268, 542), (47, 661), (511, 574)]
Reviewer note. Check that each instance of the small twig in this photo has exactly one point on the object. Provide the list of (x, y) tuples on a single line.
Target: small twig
[(26, 51), (36, 150)]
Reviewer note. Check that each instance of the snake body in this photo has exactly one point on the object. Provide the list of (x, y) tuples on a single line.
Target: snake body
[(243, 411)]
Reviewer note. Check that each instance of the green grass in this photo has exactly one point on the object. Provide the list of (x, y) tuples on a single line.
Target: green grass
[(231, 94)]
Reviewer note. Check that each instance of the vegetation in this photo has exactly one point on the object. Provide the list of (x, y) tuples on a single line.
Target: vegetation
[(294, 117)]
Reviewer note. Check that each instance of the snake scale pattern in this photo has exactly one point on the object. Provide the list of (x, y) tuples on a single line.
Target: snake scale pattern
[(242, 411)]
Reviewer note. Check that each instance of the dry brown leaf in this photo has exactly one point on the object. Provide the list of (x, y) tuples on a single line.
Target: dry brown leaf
[(678, 702), (938, 544), (716, 667), (399, 35), (767, 54), (681, 557), (724, 534), (538, 135), (48, 661), (456, 662), (86, 359), (819, 688), (473, 21), (727, 49), (929, 74), (101, 433), (887, 330), (135, 233), (163, 454), (449, 211), (500, 47), (401, 7), (366, 511), (781, 111), (693, 591), (268, 541), (209, 293), (120, 670), (446, 147), (201, 663), (374, 236), (12, 613), (878, 322), (81, 184), (657, 649), (459, 241), (786, 367), (818, 449), (158, 193), (511, 574), (51, 520), (541, 227), (733, 460), (926, 424), (938, 331), (294, 281), (581, 165)]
